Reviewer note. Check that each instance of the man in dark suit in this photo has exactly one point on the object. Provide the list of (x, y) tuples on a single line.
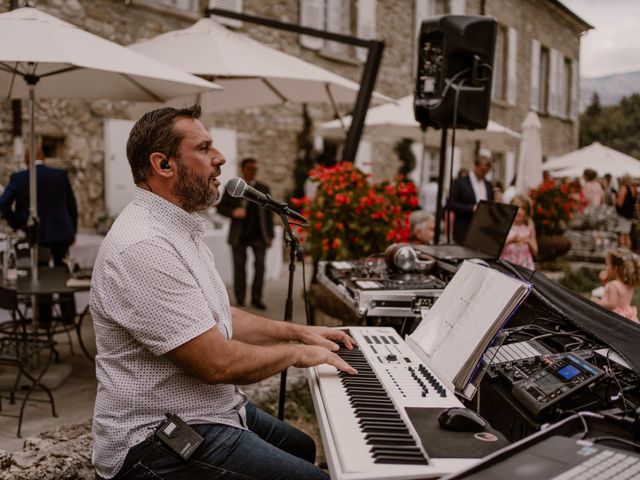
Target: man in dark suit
[(57, 209), (251, 226), (467, 191)]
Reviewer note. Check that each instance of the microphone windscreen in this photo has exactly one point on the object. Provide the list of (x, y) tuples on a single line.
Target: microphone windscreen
[(236, 187)]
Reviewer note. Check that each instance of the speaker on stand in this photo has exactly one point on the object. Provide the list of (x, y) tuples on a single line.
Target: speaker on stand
[(453, 80)]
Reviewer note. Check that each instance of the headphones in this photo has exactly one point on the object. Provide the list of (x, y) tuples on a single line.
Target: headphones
[(164, 164), (401, 256)]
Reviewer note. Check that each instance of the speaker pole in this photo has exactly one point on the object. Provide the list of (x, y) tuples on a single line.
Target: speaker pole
[(441, 174)]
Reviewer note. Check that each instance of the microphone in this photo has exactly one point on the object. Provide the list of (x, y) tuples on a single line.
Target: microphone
[(237, 187)]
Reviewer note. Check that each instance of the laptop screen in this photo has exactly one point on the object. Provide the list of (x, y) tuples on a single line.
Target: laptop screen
[(489, 227)]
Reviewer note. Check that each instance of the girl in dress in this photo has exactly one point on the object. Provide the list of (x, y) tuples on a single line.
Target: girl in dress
[(521, 244), (619, 278)]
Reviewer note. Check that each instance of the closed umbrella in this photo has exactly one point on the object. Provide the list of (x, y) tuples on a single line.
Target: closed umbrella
[(529, 172), (251, 73), (45, 56)]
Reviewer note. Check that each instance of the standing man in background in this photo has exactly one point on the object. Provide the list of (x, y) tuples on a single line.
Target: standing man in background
[(467, 191), (251, 227), (57, 209)]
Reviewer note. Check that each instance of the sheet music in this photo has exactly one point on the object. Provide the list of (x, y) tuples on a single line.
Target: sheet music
[(464, 319)]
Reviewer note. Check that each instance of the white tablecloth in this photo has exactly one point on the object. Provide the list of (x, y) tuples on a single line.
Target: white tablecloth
[(85, 250)]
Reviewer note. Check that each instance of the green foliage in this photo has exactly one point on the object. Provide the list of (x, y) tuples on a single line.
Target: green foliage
[(405, 155), (582, 280), (615, 126), (304, 158)]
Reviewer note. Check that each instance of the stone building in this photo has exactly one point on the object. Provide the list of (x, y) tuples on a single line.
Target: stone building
[(536, 68)]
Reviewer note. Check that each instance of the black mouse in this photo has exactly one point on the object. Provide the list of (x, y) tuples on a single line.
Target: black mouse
[(461, 419)]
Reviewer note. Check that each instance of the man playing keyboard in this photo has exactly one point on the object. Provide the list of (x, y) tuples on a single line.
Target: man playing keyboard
[(168, 341)]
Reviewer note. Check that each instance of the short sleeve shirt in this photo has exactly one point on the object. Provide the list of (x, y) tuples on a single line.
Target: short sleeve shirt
[(154, 288)]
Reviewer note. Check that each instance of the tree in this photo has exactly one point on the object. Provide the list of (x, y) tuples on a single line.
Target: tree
[(615, 126)]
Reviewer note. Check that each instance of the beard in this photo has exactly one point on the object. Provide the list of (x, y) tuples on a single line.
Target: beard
[(193, 190)]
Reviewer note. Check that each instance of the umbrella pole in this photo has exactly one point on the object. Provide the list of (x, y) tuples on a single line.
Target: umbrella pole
[(423, 158), (32, 223)]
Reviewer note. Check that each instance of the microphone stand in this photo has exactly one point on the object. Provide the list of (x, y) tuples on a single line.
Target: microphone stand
[(294, 243)]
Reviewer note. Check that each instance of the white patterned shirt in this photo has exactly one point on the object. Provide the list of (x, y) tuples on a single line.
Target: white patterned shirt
[(154, 287)]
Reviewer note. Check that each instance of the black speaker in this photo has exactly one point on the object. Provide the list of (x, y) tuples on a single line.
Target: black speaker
[(455, 52)]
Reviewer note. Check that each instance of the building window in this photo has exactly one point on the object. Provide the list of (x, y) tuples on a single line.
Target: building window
[(554, 82), (192, 5), (52, 146), (440, 7), (498, 169), (338, 20), (231, 5), (348, 17)]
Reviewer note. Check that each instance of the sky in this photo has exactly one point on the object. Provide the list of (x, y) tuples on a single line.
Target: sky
[(613, 46)]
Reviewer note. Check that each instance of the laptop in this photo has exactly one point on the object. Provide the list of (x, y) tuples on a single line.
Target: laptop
[(562, 458), (485, 238)]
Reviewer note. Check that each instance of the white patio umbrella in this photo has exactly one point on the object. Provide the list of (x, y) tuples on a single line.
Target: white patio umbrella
[(596, 156), (529, 172), (251, 73), (42, 54), (397, 120)]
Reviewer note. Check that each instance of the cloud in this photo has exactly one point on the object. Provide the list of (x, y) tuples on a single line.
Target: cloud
[(612, 46)]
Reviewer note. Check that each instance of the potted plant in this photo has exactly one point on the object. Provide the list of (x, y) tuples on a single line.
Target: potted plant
[(352, 217), (555, 202)]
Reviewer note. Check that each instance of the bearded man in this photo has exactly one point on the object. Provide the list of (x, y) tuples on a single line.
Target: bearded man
[(168, 341)]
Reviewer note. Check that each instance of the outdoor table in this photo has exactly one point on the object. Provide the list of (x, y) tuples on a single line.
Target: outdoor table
[(50, 281)]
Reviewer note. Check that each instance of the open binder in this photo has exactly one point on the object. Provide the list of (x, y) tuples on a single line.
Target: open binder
[(464, 321)]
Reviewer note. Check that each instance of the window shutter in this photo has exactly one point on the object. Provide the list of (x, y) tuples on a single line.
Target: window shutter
[(534, 92), (512, 66), (561, 100), (552, 105), (337, 21), (366, 24), (575, 97), (457, 7), (312, 15), (231, 5)]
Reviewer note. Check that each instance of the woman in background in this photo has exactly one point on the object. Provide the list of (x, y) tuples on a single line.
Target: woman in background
[(625, 206)]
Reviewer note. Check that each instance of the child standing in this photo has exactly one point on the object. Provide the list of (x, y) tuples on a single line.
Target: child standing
[(620, 276), (521, 244)]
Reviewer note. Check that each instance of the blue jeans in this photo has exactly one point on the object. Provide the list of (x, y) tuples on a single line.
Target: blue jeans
[(270, 450)]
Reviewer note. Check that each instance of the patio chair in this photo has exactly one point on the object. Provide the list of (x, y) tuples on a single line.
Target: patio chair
[(21, 349)]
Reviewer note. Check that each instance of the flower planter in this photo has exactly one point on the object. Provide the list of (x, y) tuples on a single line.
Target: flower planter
[(552, 245)]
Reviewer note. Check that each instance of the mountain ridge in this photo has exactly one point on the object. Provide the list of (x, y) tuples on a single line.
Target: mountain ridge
[(610, 88)]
